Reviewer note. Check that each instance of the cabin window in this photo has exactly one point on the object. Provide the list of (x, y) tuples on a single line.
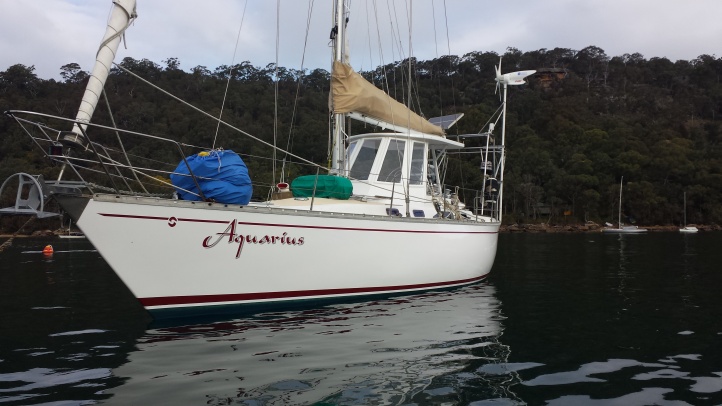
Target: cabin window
[(361, 168), (419, 213), (417, 164), (391, 167), (351, 147)]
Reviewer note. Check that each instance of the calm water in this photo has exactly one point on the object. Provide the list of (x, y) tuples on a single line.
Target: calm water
[(576, 319)]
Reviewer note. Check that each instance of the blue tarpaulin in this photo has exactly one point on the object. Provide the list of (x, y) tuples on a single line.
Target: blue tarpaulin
[(222, 175)]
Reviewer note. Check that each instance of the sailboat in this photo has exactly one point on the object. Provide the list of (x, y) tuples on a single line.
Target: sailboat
[(621, 228), (378, 221), (686, 228)]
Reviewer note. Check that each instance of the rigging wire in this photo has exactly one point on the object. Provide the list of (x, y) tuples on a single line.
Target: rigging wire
[(385, 76), (301, 159), (368, 36), (407, 78), (230, 75), (436, 49), (453, 94), (298, 91), (275, 88), (448, 48), (178, 99), (120, 142), (396, 44)]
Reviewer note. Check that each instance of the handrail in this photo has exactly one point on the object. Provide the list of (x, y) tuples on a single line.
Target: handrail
[(42, 129), (99, 159)]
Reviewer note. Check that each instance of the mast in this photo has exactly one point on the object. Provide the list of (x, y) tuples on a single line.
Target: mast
[(408, 145), (619, 216), (685, 209), (502, 158), (122, 15), (338, 161)]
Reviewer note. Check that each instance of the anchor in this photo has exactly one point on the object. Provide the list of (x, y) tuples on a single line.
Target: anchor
[(32, 194)]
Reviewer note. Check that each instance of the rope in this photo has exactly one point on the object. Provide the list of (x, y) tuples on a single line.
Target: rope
[(131, 18), (9, 242)]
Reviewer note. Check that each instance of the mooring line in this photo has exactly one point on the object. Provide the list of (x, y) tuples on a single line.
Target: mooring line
[(9, 242)]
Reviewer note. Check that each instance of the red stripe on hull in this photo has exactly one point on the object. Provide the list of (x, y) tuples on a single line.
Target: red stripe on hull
[(240, 298), (130, 216), (386, 230)]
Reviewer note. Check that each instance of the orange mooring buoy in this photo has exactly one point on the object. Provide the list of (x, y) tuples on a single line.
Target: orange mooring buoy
[(48, 250)]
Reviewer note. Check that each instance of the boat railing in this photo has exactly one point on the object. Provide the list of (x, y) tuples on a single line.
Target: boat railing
[(106, 160), (98, 156)]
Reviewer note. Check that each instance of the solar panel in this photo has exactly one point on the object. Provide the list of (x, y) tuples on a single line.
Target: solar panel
[(445, 122)]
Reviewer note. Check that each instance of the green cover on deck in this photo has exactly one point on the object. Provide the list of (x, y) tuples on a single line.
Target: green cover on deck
[(331, 186)]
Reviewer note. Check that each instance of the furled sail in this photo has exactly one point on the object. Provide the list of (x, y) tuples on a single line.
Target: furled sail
[(351, 93), (122, 15)]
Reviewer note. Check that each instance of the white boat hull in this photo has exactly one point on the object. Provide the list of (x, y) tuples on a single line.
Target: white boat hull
[(625, 230), (178, 254), (72, 236)]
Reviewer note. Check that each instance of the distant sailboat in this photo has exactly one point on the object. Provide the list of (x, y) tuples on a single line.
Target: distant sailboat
[(687, 229), (622, 229), (70, 234)]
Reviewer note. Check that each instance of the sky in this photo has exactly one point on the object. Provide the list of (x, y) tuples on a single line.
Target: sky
[(48, 34)]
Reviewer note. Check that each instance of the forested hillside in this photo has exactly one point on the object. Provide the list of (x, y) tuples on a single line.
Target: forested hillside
[(583, 122)]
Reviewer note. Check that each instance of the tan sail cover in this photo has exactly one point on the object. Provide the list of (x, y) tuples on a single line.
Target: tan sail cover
[(352, 93)]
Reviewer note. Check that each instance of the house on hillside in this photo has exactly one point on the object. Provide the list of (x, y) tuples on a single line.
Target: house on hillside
[(547, 76)]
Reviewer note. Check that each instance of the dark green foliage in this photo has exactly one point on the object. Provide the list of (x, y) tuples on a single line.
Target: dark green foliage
[(569, 140)]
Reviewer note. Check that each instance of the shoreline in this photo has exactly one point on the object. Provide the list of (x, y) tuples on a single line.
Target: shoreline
[(590, 228)]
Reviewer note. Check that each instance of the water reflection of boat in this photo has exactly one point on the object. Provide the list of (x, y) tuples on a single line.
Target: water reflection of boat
[(411, 349)]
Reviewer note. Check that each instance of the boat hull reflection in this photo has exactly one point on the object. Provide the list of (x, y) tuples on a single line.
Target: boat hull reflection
[(396, 350)]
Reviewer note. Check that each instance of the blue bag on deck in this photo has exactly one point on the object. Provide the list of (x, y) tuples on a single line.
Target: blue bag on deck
[(222, 176)]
